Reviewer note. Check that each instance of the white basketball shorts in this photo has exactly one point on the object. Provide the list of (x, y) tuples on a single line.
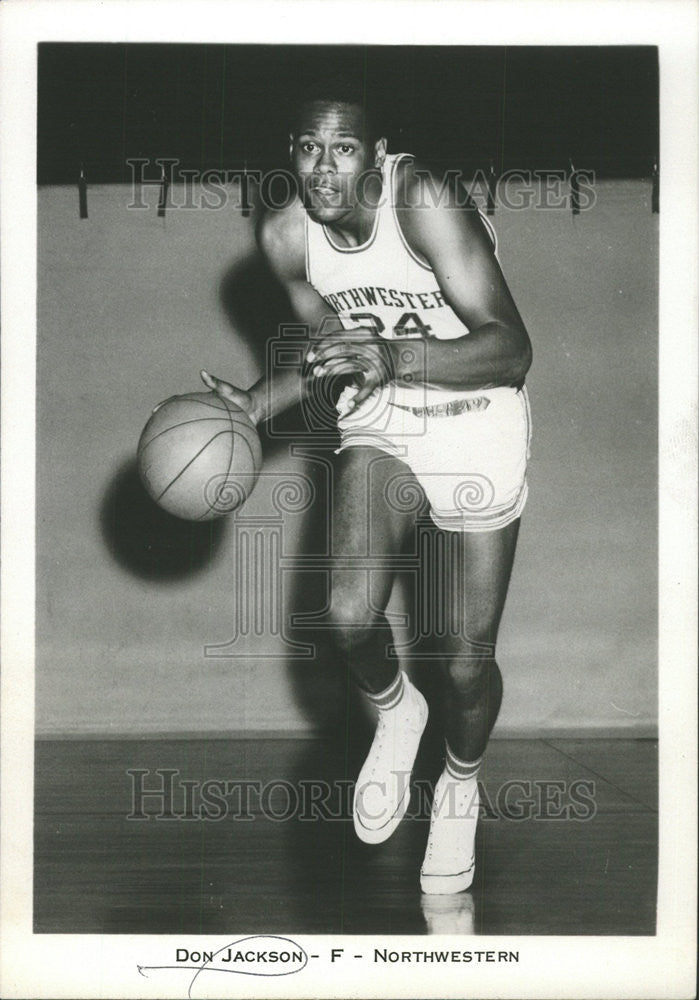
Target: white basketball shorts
[(469, 455)]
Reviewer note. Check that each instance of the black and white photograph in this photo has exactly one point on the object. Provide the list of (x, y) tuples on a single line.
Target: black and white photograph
[(348, 472)]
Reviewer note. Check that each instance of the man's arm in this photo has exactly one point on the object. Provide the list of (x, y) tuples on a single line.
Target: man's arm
[(453, 241), (281, 240)]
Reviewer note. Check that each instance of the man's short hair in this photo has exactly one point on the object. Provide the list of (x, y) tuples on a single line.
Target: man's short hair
[(340, 89)]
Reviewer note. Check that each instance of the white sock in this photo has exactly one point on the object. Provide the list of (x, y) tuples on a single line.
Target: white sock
[(390, 696), (461, 770)]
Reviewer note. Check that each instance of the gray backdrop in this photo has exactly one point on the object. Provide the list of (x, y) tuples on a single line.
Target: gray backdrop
[(131, 306)]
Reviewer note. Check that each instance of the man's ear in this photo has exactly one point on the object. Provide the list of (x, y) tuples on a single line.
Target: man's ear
[(291, 145), (379, 152)]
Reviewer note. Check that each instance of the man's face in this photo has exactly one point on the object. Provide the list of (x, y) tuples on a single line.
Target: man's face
[(329, 155)]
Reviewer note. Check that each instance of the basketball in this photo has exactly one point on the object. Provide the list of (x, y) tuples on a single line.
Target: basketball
[(199, 456)]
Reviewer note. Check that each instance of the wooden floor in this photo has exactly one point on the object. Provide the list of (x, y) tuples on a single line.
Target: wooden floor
[(97, 871)]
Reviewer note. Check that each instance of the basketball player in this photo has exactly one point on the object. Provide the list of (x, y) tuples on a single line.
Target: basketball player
[(397, 278)]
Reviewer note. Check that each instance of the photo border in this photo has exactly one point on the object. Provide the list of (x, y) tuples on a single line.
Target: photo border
[(106, 966)]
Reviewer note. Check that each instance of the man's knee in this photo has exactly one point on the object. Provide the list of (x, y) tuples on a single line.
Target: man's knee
[(470, 675), (352, 623)]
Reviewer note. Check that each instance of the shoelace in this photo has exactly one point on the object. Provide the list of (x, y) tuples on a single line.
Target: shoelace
[(382, 733), (433, 827)]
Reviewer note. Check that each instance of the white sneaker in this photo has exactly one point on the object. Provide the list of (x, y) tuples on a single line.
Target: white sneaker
[(450, 862), (382, 792)]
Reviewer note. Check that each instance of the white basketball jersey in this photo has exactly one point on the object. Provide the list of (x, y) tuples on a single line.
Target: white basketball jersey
[(383, 285)]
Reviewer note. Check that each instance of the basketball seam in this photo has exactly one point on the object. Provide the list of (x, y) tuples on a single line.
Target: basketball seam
[(230, 459), (183, 423), (190, 462), (203, 402)]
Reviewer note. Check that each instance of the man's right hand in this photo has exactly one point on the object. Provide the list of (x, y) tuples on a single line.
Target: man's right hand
[(239, 397)]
